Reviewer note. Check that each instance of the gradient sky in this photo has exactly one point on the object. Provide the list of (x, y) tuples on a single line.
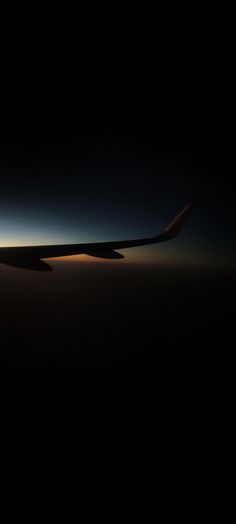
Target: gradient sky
[(108, 174)]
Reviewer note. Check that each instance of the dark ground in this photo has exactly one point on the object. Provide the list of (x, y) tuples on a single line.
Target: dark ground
[(115, 336)]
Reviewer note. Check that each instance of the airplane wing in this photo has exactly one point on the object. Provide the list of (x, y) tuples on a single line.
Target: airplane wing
[(30, 257)]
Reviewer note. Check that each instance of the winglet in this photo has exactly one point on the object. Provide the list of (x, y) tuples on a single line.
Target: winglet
[(174, 227)]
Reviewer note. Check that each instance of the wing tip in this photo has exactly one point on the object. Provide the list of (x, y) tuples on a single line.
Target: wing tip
[(174, 227)]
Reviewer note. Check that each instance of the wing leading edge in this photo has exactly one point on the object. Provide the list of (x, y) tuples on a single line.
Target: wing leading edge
[(30, 257)]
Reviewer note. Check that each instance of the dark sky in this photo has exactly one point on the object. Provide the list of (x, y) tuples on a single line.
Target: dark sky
[(115, 150), (120, 163)]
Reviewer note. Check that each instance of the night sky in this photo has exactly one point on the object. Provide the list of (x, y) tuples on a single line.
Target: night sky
[(87, 172), (116, 162)]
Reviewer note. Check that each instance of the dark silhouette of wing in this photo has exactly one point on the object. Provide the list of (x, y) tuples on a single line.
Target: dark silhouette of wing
[(30, 257)]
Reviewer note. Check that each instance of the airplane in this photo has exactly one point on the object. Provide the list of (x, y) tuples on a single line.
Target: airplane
[(30, 257)]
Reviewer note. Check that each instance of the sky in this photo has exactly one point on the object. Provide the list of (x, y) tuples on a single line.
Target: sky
[(111, 147), (99, 172)]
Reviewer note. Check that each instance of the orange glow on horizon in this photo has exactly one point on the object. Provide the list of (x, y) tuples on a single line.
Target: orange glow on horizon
[(129, 259), (75, 258), (88, 259)]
